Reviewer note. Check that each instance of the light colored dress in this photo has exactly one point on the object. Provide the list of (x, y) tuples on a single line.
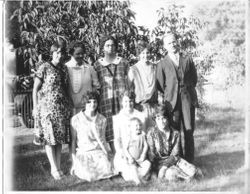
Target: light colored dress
[(82, 79), (135, 147), (142, 79), (121, 135), (91, 155)]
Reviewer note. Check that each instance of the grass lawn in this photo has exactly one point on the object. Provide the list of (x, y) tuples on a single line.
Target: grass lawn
[(219, 153)]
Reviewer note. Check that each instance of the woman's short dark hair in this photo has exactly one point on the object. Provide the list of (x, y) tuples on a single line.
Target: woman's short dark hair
[(162, 110), (91, 95), (76, 44), (56, 46), (129, 93), (106, 38), (141, 45)]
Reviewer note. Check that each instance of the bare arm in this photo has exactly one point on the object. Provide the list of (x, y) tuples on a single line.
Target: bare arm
[(36, 88), (130, 79), (73, 133), (151, 147), (145, 150), (95, 81), (117, 134)]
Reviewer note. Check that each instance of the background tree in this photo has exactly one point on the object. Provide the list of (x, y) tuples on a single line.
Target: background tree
[(186, 32), (225, 32), (41, 23)]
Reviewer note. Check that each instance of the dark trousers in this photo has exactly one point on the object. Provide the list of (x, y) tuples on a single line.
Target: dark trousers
[(184, 121)]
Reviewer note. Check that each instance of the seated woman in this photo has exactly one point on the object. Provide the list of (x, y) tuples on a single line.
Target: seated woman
[(90, 153), (121, 132), (164, 150)]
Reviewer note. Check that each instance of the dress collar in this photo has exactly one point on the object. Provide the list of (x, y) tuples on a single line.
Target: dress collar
[(105, 63), (72, 63)]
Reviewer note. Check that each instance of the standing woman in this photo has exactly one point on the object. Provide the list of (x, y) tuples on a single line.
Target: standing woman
[(112, 73), (83, 77), (142, 79), (52, 108)]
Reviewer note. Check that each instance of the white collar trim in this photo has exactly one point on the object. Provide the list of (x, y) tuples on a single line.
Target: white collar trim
[(72, 63), (105, 63)]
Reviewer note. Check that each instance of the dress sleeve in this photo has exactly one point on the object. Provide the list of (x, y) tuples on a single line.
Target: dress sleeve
[(151, 146), (160, 77), (176, 145), (102, 134), (95, 81)]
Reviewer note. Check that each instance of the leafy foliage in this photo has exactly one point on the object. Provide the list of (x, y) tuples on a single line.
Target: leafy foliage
[(186, 39), (42, 23), (226, 34)]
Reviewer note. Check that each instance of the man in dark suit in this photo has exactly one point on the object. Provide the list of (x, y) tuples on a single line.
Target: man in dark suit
[(177, 79)]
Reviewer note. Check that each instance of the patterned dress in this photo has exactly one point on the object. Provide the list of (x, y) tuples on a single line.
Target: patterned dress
[(164, 151), (52, 119), (161, 146), (113, 80), (91, 155)]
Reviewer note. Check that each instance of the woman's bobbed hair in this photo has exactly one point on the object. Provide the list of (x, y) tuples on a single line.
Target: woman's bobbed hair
[(76, 44), (104, 39), (58, 45), (129, 93)]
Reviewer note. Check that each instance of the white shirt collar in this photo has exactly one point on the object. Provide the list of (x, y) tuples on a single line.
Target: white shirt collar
[(105, 63), (72, 63)]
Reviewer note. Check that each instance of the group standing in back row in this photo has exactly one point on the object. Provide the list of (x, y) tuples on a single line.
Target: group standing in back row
[(91, 107)]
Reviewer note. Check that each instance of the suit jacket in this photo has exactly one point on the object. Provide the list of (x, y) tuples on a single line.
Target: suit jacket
[(188, 79), (167, 80)]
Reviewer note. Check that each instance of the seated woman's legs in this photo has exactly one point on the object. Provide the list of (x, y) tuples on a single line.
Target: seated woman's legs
[(131, 174)]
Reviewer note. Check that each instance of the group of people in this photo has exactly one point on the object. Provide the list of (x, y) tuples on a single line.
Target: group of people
[(110, 115)]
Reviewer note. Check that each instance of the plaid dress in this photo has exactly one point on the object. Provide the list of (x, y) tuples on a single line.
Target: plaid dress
[(113, 80)]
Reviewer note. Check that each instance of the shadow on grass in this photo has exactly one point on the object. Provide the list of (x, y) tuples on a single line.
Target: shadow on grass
[(32, 173), (26, 148), (220, 164), (223, 121)]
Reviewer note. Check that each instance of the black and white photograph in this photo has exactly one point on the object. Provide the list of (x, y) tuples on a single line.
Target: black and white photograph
[(125, 95)]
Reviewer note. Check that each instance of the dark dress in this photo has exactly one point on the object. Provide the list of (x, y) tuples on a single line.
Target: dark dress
[(114, 81), (52, 119)]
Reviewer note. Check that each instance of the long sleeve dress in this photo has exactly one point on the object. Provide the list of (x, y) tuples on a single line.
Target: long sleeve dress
[(113, 80), (164, 151)]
